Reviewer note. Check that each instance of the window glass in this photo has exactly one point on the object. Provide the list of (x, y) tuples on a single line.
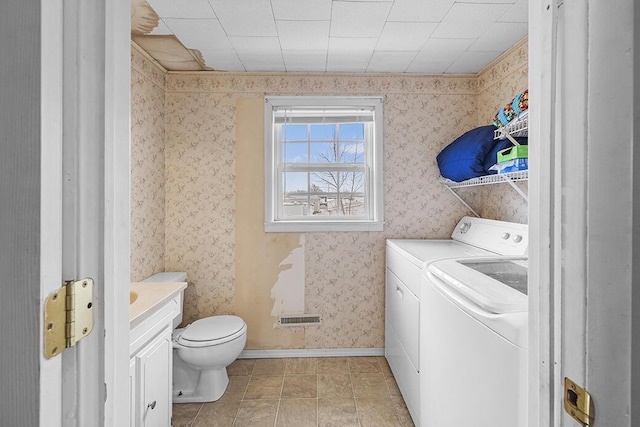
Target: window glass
[(325, 171)]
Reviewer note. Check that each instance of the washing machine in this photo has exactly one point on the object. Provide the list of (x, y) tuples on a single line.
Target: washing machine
[(474, 364)]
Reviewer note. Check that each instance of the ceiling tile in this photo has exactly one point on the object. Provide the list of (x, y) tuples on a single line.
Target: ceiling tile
[(489, 1), (346, 67), (472, 62), (405, 36), (310, 60), (390, 62), (358, 19), (500, 36), (245, 18), (222, 60), (443, 50), (198, 9), (352, 50), (303, 35), (255, 46), (203, 34), (460, 30), (266, 65), (296, 10), (428, 67), (475, 13), (519, 12), (419, 10)]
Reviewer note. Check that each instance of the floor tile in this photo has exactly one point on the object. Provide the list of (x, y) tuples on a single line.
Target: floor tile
[(257, 413), (217, 414), (369, 385), (335, 386), (270, 367), (376, 412), (363, 365), (333, 365), (337, 413), (262, 387), (236, 388), (297, 413), (302, 365), (300, 386), (402, 412), (384, 367), (392, 386), (241, 367), (184, 413), (301, 392)]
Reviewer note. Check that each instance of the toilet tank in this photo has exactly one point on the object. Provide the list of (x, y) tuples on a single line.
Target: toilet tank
[(171, 276)]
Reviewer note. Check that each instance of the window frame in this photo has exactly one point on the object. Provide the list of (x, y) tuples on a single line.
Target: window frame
[(373, 220)]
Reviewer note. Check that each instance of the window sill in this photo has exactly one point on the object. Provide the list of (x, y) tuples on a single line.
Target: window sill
[(317, 226)]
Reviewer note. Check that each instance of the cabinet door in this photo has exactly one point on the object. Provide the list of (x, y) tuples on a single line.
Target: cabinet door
[(155, 370)]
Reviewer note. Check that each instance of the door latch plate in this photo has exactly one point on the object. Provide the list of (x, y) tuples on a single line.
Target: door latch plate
[(578, 403)]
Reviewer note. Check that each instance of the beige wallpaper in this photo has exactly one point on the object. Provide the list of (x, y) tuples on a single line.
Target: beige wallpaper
[(147, 167), (344, 279), (214, 203), (497, 85)]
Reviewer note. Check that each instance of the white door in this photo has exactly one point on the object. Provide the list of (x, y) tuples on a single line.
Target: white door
[(582, 83)]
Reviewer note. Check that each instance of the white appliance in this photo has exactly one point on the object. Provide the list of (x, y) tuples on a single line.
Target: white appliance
[(404, 339), (474, 314)]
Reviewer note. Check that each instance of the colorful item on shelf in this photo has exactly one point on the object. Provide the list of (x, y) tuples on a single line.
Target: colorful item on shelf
[(510, 111), (514, 158), (492, 156)]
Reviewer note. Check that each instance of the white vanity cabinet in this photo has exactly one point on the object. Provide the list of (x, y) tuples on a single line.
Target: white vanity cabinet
[(151, 356), (152, 390), (402, 321)]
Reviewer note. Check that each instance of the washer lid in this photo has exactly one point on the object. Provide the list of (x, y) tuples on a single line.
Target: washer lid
[(213, 328)]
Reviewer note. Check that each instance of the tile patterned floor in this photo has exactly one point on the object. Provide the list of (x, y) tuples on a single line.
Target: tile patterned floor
[(300, 392)]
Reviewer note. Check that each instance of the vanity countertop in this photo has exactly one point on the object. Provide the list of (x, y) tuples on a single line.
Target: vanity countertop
[(149, 295)]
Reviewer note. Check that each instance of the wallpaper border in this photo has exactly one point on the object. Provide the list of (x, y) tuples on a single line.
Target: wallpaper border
[(147, 66), (281, 83)]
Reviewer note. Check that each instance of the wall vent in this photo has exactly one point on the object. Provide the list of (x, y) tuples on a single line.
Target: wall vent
[(300, 320)]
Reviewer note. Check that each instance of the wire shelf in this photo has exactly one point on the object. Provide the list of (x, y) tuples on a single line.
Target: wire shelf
[(517, 128), (488, 179)]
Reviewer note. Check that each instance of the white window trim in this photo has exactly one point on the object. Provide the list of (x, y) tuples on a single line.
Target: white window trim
[(375, 166)]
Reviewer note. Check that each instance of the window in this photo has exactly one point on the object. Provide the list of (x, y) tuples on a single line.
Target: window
[(323, 164)]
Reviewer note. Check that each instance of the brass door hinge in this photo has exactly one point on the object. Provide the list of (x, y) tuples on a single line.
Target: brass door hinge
[(68, 316), (578, 403)]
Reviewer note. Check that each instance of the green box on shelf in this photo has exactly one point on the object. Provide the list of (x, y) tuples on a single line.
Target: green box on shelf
[(515, 152)]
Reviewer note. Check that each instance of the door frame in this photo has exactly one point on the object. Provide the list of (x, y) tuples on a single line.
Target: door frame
[(584, 124), (85, 214)]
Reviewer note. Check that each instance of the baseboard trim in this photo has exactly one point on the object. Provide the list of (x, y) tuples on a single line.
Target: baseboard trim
[(310, 352)]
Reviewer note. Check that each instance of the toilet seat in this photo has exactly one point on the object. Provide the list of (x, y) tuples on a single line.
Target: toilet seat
[(211, 331)]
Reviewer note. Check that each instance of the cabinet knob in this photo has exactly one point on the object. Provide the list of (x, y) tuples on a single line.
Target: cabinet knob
[(152, 405)]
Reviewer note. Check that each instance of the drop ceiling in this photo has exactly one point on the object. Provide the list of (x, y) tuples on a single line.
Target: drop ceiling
[(373, 36)]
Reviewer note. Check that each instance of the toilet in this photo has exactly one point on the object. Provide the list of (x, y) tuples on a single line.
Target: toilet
[(202, 351)]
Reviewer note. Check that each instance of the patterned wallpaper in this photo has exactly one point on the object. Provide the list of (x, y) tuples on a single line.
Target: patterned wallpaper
[(344, 272), (147, 167), (497, 85)]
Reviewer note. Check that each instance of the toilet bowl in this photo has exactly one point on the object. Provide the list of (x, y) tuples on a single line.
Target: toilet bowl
[(202, 351)]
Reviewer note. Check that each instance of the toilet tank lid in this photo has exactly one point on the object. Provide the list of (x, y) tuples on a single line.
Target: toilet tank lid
[(213, 328), (168, 276)]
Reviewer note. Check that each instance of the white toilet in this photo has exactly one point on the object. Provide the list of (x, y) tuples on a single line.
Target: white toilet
[(202, 351)]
